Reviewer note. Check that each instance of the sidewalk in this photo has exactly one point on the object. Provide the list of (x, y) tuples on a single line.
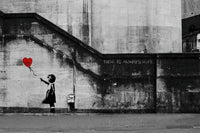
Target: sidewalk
[(99, 123)]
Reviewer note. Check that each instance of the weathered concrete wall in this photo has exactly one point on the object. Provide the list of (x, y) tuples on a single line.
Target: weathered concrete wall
[(71, 15), (19, 87), (128, 84), (125, 26), (133, 89), (162, 82), (178, 84), (112, 26), (62, 51), (190, 8), (53, 39), (92, 89)]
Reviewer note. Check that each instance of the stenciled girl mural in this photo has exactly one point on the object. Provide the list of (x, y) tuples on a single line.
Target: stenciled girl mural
[(50, 93)]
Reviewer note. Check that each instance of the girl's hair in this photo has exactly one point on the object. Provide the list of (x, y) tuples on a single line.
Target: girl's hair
[(52, 78)]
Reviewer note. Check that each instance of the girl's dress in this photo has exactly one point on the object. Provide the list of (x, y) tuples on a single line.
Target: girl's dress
[(50, 95)]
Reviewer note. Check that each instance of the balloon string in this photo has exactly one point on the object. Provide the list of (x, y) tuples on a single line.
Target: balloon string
[(31, 70)]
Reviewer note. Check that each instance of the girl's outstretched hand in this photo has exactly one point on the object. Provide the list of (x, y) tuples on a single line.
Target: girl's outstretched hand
[(44, 81)]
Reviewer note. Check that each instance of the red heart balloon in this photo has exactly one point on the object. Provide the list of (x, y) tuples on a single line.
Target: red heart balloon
[(27, 61)]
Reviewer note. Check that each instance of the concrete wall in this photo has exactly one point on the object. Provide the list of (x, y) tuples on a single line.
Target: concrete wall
[(93, 90), (19, 87), (112, 26), (163, 82), (190, 8), (71, 15), (58, 53), (178, 88), (119, 81), (129, 84), (131, 26)]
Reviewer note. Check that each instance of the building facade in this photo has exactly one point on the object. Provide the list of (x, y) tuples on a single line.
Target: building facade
[(112, 26), (94, 49)]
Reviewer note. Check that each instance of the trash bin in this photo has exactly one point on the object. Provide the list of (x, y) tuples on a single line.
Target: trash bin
[(71, 102)]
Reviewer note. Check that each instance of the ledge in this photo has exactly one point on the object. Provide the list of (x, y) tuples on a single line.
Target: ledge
[(16, 110)]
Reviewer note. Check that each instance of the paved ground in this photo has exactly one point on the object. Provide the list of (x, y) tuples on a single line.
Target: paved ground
[(100, 123)]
